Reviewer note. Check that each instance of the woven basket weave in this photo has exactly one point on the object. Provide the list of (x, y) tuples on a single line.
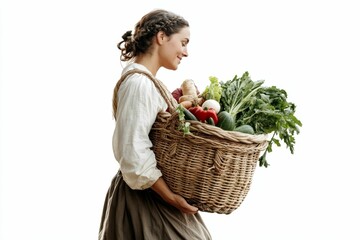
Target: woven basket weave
[(211, 168)]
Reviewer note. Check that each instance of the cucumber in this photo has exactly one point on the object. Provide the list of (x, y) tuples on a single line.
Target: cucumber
[(226, 121), (245, 129), (189, 115)]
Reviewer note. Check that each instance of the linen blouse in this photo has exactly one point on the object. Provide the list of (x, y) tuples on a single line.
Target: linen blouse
[(139, 102)]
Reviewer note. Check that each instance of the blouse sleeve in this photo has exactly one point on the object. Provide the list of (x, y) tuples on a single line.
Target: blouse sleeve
[(138, 105)]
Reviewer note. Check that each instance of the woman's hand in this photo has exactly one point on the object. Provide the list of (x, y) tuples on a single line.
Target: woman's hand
[(161, 188), (180, 203)]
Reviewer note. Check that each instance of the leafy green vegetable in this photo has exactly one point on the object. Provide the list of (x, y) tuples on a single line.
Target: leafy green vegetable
[(183, 126), (238, 93), (213, 90), (266, 109)]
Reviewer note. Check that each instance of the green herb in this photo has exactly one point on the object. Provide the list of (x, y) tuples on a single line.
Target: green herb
[(266, 109), (183, 126), (238, 93)]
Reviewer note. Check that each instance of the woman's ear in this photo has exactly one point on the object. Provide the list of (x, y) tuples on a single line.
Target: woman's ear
[(160, 37)]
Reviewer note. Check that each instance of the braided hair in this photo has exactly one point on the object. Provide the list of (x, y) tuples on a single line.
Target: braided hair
[(149, 25)]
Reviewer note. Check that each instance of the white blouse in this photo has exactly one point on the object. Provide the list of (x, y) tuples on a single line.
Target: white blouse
[(139, 102)]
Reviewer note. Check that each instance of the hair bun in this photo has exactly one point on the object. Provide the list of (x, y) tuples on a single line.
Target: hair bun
[(127, 35)]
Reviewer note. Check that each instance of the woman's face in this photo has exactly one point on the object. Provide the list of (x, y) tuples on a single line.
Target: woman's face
[(174, 49)]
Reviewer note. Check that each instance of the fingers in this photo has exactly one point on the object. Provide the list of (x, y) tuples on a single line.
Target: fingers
[(185, 207), (189, 209)]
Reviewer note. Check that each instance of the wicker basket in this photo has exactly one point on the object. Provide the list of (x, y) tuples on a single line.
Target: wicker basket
[(211, 168)]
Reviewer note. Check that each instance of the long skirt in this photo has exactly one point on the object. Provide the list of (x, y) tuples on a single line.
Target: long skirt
[(142, 215)]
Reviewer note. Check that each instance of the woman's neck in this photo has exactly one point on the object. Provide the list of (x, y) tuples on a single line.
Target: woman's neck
[(149, 63)]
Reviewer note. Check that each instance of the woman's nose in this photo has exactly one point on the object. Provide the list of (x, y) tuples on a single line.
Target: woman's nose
[(185, 53)]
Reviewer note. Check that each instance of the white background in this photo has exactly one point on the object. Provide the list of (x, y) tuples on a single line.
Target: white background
[(59, 64)]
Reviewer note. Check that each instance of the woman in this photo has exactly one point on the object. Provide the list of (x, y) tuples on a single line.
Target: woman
[(139, 204)]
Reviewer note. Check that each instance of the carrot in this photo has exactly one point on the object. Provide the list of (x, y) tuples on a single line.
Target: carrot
[(187, 104)]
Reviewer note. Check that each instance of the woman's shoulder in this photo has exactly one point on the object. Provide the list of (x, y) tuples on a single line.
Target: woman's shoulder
[(141, 85), (139, 81), (143, 73), (135, 66)]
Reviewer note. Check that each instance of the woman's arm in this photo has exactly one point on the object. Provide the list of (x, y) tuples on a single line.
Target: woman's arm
[(161, 188)]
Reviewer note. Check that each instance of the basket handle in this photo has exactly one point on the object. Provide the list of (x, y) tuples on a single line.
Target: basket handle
[(163, 90), (219, 163)]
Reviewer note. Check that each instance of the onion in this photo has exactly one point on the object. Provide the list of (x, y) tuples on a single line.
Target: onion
[(211, 103)]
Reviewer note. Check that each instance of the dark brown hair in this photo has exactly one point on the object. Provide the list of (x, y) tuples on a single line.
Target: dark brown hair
[(149, 25)]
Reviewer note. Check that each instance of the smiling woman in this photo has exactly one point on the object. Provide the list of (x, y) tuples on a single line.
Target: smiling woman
[(171, 35), (59, 64), (139, 204)]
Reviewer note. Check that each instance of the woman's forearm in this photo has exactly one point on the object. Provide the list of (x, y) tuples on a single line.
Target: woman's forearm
[(161, 188)]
